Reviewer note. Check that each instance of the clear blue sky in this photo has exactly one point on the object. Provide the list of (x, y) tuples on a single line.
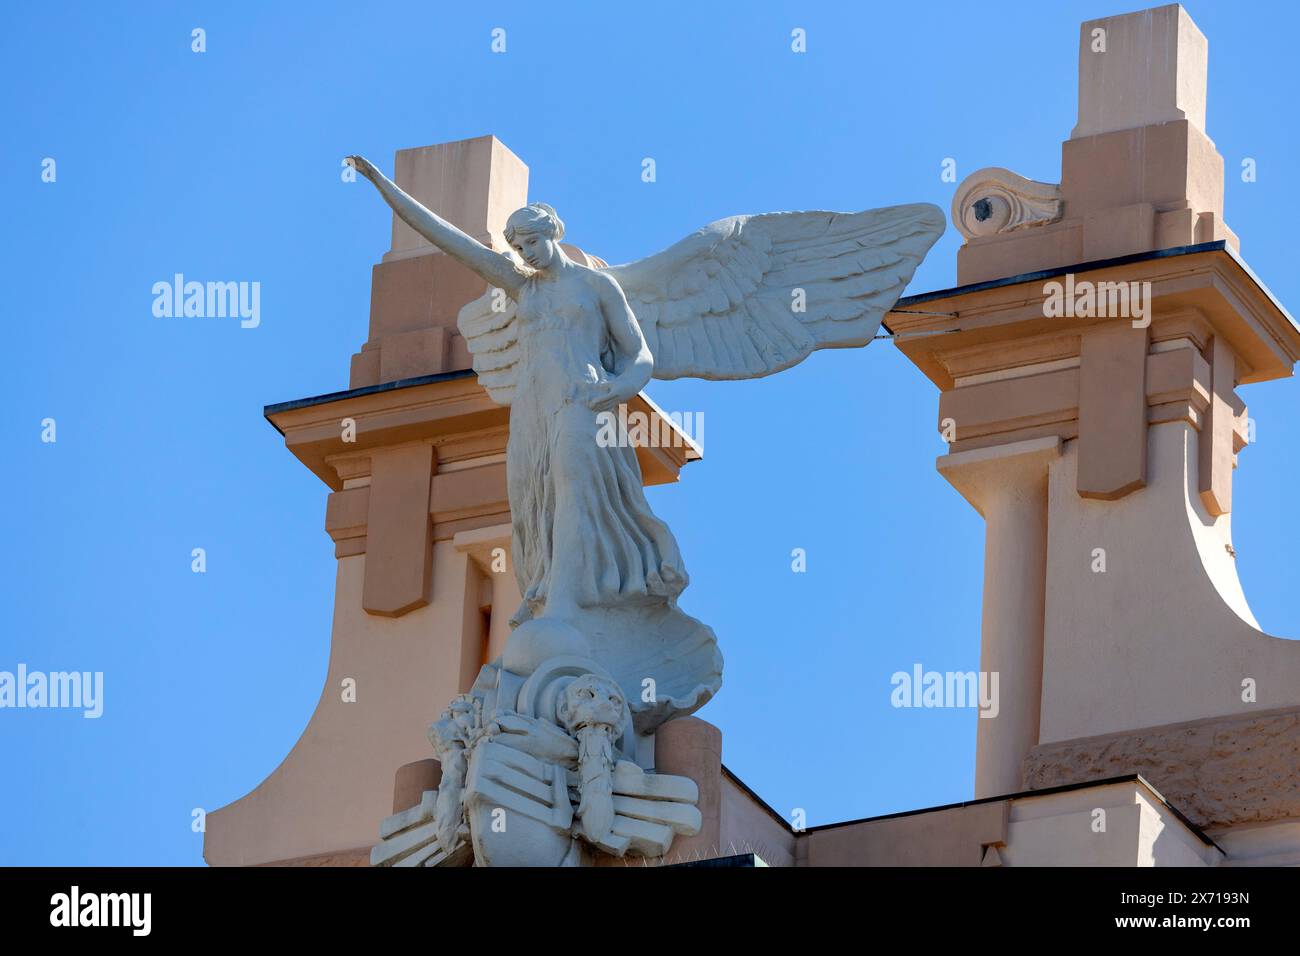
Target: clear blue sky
[(225, 165)]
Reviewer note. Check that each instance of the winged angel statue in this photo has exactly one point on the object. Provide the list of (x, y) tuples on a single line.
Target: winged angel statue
[(561, 342)]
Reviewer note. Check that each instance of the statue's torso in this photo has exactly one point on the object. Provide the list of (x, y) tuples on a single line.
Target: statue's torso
[(562, 334)]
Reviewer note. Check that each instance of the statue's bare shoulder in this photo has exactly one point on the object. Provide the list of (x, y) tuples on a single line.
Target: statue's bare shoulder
[(604, 285)]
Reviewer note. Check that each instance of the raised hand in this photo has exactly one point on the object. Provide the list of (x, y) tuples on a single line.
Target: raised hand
[(364, 166), (498, 271)]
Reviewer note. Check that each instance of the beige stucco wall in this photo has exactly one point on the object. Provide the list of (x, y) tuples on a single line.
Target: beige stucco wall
[(1124, 823), (1268, 844), (749, 826), (1164, 635), (1064, 829), (951, 836), (347, 755)]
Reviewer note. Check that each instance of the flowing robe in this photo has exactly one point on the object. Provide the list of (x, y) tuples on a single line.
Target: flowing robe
[(583, 533)]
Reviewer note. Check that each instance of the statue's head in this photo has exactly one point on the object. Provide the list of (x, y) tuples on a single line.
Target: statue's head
[(590, 700), (459, 720), (534, 232)]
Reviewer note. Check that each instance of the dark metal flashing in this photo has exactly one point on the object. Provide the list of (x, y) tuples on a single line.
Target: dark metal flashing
[(1020, 795), (270, 410), (741, 860), (756, 798)]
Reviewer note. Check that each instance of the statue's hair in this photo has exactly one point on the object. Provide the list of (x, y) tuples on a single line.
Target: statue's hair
[(533, 218)]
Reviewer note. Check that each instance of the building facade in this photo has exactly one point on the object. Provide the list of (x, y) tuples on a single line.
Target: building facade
[(1088, 373)]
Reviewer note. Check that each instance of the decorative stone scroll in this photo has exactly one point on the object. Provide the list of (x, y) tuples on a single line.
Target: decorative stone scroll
[(995, 200)]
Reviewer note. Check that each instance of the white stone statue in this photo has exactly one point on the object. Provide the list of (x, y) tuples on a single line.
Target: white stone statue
[(561, 342)]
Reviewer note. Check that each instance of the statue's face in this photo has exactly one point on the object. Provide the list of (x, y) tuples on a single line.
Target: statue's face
[(535, 248), (590, 700)]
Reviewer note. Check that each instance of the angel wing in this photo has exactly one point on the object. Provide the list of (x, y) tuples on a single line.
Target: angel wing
[(751, 295), (745, 296), (488, 327)]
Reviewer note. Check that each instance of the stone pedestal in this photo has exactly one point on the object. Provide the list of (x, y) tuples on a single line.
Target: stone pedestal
[(692, 748)]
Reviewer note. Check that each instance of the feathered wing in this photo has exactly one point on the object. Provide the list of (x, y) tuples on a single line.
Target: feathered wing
[(752, 295), (488, 326), (745, 296)]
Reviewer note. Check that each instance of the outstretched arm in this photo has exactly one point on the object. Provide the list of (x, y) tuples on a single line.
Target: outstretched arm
[(495, 268)]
